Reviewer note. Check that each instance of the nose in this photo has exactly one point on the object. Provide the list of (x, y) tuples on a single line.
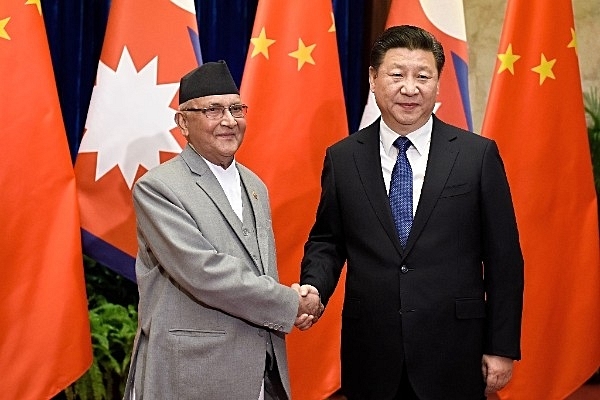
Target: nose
[(409, 88), (228, 119)]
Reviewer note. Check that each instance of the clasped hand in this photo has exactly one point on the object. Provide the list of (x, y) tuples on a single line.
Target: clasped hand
[(310, 307)]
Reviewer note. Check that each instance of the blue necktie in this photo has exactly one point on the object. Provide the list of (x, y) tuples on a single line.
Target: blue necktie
[(401, 191)]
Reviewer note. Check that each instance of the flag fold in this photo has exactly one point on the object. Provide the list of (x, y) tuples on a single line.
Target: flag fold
[(535, 113), (292, 85), (44, 326)]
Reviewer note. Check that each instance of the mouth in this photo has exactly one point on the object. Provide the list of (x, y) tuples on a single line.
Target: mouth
[(226, 135), (408, 106)]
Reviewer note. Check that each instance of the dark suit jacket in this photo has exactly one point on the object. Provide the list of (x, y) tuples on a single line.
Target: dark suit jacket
[(454, 294)]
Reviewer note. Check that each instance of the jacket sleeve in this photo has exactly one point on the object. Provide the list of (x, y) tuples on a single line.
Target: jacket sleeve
[(502, 260), (216, 279), (324, 251)]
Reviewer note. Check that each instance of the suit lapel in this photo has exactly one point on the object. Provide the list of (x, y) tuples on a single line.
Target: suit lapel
[(249, 184), (368, 164), (442, 155), (207, 181)]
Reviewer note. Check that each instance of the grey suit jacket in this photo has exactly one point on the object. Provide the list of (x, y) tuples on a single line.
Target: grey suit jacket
[(206, 311)]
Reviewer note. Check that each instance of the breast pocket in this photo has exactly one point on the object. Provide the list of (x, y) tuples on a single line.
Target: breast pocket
[(456, 190)]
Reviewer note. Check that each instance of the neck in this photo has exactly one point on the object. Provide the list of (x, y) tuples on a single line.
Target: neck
[(221, 163)]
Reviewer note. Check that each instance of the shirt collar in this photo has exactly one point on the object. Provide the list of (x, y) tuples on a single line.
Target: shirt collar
[(217, 169), (419, 138)]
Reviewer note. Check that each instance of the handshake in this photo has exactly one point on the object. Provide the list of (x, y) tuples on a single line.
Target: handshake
[(310, 307)]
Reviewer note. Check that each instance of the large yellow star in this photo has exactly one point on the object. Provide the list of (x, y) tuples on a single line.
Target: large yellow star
[(573, 42), (261, 44), (37, 3), (332, 27), (3, 33), (508, 60), (303, 54), (545, 69)]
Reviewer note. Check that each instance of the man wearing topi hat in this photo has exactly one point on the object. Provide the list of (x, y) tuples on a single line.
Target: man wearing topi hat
[(212, 315)]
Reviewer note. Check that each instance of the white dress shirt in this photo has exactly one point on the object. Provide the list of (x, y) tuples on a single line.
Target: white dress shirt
[(417, 155), (230, 182)]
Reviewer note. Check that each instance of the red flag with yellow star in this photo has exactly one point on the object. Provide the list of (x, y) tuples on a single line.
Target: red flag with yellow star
[(45, 342), (535, 113), (292, 85), (130, 128)]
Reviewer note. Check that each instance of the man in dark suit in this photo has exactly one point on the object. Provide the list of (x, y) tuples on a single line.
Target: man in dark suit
[(437, 314)]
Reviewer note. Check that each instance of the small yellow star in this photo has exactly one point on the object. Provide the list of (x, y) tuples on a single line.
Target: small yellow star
[(545, 69), (261, 44), (3, 33), (332, 27), (37, 3), (303, 54), (573, 42), (508, 60)]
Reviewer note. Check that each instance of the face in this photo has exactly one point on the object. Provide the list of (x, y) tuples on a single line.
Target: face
[(217, 140), (405, 86)]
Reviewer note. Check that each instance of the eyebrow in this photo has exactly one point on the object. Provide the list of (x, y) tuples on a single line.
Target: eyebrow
[(222, 104), (419, 66)]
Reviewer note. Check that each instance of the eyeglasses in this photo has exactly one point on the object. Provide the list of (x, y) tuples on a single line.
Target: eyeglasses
[(217, 112)]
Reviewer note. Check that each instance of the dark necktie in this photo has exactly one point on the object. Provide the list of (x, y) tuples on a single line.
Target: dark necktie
[(401, 191)]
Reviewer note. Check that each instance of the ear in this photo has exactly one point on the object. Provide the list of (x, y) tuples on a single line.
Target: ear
[(181, 122), (372, 76)]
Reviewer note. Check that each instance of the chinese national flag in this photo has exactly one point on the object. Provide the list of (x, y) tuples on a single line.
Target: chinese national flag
[(446, 21), (535, 113), (292, 85), (44, 327), (148, 47)]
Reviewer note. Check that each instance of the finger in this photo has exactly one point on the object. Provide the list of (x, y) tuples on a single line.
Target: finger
[(311, 289), (484, 372), (503, 380), (492, 382), (304, 322), (304, 290), (304, 327), (296, 287), (300, 319)]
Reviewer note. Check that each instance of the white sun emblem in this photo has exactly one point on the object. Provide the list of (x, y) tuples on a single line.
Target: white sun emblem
[(129, 119)]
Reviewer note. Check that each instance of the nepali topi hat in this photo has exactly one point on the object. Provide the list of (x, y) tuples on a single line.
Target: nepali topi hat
[(209, 79)]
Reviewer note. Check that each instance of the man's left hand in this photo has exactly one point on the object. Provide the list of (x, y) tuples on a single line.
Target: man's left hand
[(497, 371)]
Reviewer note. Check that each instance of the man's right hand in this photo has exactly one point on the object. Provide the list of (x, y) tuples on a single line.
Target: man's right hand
[(309, 308)]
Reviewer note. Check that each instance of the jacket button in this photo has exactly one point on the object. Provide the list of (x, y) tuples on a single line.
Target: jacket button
[(404, 269), (245, 232)]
